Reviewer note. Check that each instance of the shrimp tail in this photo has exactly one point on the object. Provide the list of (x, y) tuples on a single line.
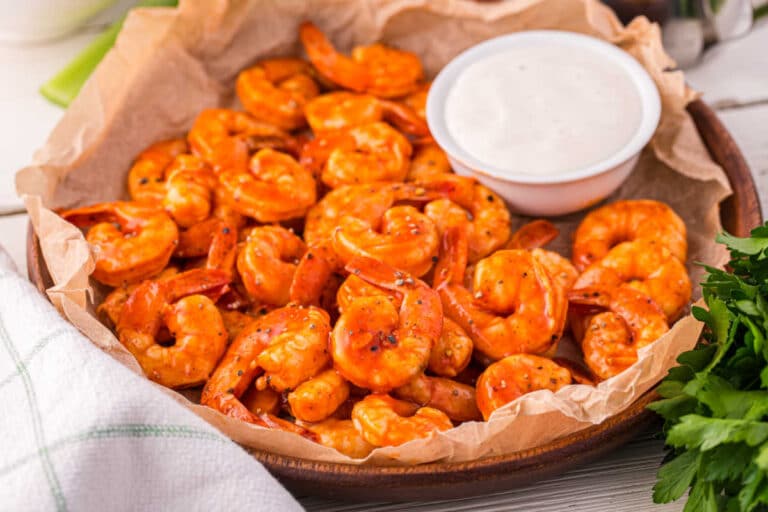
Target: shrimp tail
[(534, 235), (458, 189), (198, 280), (452, 263), (331, 64), (312, 275), (273, 422), (404, 118), (379, 273)]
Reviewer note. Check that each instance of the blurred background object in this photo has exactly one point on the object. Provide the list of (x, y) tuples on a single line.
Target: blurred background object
[(689, 26), (62, 88), (41, 20), (28, 116)]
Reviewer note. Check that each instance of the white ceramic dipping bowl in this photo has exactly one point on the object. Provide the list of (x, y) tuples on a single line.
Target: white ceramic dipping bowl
[(572, 189)]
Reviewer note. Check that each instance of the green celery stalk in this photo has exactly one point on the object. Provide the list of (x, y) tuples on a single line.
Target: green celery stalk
[(760, 12), (66, 84)]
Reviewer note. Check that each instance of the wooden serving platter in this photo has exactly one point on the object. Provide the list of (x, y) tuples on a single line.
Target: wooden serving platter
[(739, 213)]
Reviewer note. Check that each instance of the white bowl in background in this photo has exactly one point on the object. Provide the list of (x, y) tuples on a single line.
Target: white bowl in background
[(548, 194), (32, 21)]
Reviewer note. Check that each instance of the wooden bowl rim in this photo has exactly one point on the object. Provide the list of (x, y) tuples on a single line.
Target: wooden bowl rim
[(739, 212)]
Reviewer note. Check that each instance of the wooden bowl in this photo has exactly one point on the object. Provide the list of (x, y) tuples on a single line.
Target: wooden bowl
[(739, 213)]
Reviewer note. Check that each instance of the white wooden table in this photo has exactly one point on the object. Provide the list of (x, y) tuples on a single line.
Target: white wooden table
[(621, 481)]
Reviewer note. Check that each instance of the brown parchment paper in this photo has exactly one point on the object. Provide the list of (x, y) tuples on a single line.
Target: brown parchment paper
[(168, 64)]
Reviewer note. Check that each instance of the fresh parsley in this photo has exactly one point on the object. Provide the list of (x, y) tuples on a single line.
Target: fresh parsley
[(715, 404)]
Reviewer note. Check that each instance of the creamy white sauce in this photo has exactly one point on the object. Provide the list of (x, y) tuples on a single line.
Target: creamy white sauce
[(543, 109)]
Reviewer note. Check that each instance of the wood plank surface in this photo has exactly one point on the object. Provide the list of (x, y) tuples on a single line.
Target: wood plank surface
[(621, 481), (749, 127)]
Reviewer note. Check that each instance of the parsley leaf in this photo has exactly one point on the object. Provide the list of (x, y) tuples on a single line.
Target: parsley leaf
[(715, 404), (675, 477), (696, 431), (754, 244), (725, 462), (702, 498)]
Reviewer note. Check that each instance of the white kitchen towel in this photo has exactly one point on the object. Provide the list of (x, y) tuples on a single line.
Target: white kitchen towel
[(80, 432)]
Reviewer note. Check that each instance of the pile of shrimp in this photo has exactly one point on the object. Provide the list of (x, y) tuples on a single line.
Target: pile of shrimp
[(314, 265)]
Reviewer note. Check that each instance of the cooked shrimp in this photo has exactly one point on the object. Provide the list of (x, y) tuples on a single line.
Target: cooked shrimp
[(314, 273), (417, 100), (514, 305), (580, 374), (317, 398), (452, 265), (299, 352), (342, 436), (607, 345), (274, 188), (406, 239), (341, 109), (531, 307), (428, 161), (367, 202), (401, 236), (189, 187), (236, 298), (234, 321), (639, 219), (333, 66), (384, 421), (380, 347), (213, 237), (392, 73), (130, 241), (452, 352), (456, 400), (537, 234), (192, 319), (375, 69), (560, 268), (354, 287), (240, 366), (646, 266), (533, 235), (516, 375), (362, 154), (276, 90), (344, 412), (237, 370), (223, 211), (403, 117), (611, 339), (224, 138), (488, 217), (113, 303), (459, 189), (267, 262), (146, 179), (262, 401), (314, 153)]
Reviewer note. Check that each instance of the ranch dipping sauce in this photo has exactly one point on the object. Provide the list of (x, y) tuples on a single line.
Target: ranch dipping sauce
[(543, 109)]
